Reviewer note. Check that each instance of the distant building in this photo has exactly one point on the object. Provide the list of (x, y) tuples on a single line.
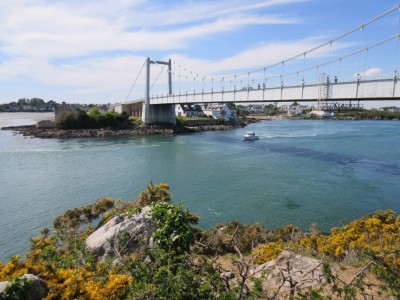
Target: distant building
[(219, 110), (296, 109), (259, 108), (189, 110), (390, 108), (322, 113), (27, 107)]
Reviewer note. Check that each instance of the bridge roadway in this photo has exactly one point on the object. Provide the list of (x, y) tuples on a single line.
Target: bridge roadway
[(357, 90)]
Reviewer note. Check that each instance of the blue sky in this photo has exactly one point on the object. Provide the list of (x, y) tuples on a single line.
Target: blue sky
[(91, 51)]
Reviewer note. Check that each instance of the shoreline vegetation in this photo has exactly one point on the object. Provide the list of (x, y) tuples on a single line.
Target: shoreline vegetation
[(94, 124), (150, 248), (140, 130)]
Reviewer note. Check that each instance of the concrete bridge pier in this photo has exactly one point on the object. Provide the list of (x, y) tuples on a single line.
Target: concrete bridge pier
[(162, 113)]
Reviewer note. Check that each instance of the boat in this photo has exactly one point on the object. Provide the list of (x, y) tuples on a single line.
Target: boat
[(250, 136)]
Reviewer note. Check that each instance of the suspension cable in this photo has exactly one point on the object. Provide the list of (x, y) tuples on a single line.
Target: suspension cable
[(359, 27), (339, 59), (159, 73), (304, 53), (133, 85)]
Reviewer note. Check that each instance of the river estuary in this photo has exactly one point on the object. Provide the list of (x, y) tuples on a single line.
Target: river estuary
[(298, 172)]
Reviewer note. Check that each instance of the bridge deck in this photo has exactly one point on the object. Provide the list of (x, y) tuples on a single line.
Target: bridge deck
[(380, 89)]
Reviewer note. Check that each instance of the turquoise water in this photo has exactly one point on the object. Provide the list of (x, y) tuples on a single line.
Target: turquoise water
[(299, 172)]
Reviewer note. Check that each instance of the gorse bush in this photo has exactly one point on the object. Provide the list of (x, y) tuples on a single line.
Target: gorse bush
[(267, 252), (182, 262)]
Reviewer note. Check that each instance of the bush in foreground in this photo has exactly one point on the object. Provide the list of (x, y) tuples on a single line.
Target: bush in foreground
[(184, 262)]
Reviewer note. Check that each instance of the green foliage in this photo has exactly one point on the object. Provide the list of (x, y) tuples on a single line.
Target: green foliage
[(274, 111), (242, 113), (158, 275), (232, 106), (174, 232), (133, 211), (18, 289), (370, 114), (93, 119), (67, 120), (75, 218), (221, 121), (180, 121), (172, 269), (219, 238), (135, 121), (154, 193)]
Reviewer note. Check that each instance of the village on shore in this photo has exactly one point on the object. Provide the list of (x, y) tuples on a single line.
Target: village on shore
[(190, 117)]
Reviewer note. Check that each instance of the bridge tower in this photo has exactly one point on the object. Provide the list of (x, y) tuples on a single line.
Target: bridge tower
[(161, 113)]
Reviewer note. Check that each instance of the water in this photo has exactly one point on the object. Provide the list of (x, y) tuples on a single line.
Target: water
[(298, 172)]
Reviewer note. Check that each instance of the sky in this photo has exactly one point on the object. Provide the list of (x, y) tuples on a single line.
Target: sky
[(92, 51)]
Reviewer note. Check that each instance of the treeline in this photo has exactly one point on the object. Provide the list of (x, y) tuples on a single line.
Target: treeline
[(92, 120), (370, 115)]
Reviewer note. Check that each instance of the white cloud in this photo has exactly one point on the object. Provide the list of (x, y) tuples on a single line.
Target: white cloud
[(93, 47), (369, 73), (65, 29)]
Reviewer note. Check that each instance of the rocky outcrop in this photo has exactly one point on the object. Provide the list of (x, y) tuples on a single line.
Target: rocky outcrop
[(290, 271), (35, 290), (143, 130), (122, 234)]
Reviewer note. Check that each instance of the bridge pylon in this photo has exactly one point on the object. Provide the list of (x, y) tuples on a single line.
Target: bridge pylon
[(164, 113)]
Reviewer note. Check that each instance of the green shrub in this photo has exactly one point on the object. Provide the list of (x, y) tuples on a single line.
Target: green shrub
[(92, 120), (180, 121), (221, 121), (135, 121), (174, 227), (18, 289), (67, 120)]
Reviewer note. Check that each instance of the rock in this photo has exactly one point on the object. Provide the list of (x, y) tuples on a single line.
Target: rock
[(141, 130), (35, 291), (227, 275), (3, 285), (121, 235), (301, 271)]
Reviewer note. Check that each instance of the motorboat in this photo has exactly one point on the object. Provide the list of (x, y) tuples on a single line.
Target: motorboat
[(250, 136)]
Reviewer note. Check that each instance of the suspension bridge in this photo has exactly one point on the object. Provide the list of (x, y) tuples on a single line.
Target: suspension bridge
[(302, 78)]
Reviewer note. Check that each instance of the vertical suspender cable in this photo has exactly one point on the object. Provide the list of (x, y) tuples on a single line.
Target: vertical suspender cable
[(397, 47), (359, 58), (304, 65)]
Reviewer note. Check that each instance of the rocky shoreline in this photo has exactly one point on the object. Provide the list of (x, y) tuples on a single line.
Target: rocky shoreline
[(142, 130)]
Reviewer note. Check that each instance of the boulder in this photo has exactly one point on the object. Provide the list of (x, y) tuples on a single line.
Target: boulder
[(35, 291), (122, 235), (290, 270)]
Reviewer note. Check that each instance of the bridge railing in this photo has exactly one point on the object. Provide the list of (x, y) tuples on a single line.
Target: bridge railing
[(371, 87)]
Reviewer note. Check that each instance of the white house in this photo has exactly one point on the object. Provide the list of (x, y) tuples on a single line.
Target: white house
[(219, 110), (295, 109), (188, 110)]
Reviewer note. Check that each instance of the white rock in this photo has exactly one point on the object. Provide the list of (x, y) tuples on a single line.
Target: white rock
[(302, 271), (106, 241)]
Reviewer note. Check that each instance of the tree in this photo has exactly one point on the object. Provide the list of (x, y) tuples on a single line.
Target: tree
[(22, 101)]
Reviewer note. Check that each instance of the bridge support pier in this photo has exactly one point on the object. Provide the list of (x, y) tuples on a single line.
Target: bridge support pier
[(162, 113)]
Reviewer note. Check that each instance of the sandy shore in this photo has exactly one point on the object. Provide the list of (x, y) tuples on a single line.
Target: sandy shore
[(23, 118)]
